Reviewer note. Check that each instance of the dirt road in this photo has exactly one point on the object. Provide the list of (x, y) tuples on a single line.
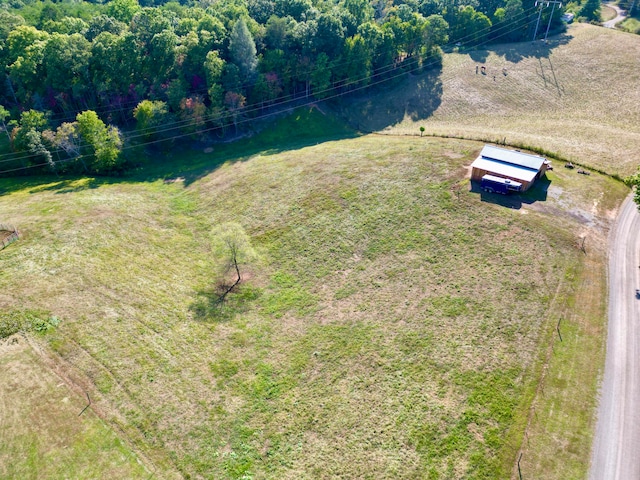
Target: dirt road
[(619, 17), (617, 441)]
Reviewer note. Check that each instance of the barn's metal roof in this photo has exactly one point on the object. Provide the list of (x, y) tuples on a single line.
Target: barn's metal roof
[(502, 168), (512, 156), (509, 163)]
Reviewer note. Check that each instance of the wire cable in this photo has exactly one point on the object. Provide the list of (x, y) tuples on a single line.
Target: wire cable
[(332, 92)]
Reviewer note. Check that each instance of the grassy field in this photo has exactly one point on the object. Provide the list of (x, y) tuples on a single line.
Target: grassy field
[(630, 25), (43, 435), (573, 97), (608, 13), (393, 324)]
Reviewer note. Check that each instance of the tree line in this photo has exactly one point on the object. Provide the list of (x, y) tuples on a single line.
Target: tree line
[(78, 74)]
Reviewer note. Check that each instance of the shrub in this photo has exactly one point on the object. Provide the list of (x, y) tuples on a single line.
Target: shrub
[(16, 321)]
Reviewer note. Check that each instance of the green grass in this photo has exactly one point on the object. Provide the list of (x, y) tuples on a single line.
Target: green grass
[(631, 25), (562, 414), (388, 328), (21, 321), (43, 434), (303, 127)]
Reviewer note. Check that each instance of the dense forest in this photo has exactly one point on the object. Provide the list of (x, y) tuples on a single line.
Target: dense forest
[(81, 79)]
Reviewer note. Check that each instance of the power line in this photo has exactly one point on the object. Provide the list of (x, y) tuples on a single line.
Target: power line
[(293, 97), (283, 101), (126, 105), (332, 91)]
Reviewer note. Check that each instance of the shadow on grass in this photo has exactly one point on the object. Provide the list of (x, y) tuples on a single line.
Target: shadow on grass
[(414, 96), (516, 52), (418, 96), (207, 307), (57, 184), (537, 193)]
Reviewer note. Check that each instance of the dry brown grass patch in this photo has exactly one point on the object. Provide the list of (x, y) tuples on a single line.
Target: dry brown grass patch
[(572, 98)]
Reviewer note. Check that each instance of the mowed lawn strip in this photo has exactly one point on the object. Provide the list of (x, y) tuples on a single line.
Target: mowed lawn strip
[(389, 328), (562, 416)]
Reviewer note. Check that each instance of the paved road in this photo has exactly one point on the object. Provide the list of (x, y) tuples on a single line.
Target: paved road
[(620, 17), (616, 449)]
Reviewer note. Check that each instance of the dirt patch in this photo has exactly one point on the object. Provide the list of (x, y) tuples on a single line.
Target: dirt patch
[(175, 180)]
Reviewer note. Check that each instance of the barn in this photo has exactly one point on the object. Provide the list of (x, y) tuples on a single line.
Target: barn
[(522, 168)]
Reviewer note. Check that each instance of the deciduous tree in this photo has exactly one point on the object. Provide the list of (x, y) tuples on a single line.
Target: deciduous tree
[(102, 143), (66, 61), (233, 251), (193, 112), (214, 69), (357, 62), (149, 115), (36, 146), (321, 76), (67, 138), (4, 114), (234, 102), (29, 120), (122, 10), (591, 10), (510, 22), (103, 23)]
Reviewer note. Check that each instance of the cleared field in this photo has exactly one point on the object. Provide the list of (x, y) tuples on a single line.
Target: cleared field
[(574, 96), (608, 13), (43, 435), (394, 325)]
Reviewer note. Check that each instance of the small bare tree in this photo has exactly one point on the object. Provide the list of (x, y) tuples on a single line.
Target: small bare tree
[(232, 246)]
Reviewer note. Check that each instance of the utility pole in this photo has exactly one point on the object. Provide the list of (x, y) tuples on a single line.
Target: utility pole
[(543, 4), (554, 2), (538, 22)]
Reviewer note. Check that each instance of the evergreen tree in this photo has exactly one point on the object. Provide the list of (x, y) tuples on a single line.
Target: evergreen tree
[(591, 10), (242, 50)]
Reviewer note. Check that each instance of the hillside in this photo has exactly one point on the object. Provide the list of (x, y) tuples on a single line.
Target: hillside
[(576, 97), (394, 324), (46, 430)]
